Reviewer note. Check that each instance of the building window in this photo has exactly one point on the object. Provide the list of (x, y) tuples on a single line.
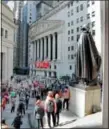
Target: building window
[(68, 23), (77, 29), (70, 67), (72, 31), (2, 31), (6, 34), (68, 5), (93, 23), (72, 57), (78, 36), (68, 32), (93, 13), (93, 32), (68, 14), (88, 25), (72, 47), (77, 20), (81, 7), (30, 17), (72, 12), (68, 56), (71, 3), (68, 48), (72, 38), (71, 22), (81, 19), (68, 38), (77, 9), (54, 66), (88, 16), (77, 1), (93, 2), (88, 4)]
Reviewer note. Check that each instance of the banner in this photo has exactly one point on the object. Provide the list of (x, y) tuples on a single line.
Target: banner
[(42, 64)]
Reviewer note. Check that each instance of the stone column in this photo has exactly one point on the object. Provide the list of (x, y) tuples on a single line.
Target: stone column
[(59, 47), (54, 49), (49, 47), (37, 49), (41, 49), (45, 48), (34, 51)]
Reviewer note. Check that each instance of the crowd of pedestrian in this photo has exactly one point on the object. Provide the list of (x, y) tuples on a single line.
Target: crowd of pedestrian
[(49, 102)]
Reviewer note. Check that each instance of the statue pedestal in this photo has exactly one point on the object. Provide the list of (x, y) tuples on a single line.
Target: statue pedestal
[(83, 98)]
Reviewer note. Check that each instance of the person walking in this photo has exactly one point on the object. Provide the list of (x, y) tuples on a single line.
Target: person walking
[(27, 96), (13, 101), (17, 122), (21, 107), (66, 96), (39, 112), (59, 108), (50, 108)]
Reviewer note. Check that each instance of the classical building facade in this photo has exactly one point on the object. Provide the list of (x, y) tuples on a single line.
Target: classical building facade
[(7, 45), (65, 22)]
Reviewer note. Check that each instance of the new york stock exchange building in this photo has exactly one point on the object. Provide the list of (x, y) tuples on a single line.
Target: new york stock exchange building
[(47, 37)]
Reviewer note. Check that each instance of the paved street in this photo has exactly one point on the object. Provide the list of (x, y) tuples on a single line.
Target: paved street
[(10, 116), (66, 117)]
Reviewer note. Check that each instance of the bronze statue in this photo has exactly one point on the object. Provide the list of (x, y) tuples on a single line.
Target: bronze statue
[(88, 60)]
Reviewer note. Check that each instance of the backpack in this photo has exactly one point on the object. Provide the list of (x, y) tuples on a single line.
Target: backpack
[(50, 106), (39, 113), (59, 105), (17, 122)]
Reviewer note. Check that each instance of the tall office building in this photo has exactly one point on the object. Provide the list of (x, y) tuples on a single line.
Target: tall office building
[(56, 34)]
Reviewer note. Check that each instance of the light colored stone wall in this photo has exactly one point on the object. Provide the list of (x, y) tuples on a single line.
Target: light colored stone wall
[(7, 43)]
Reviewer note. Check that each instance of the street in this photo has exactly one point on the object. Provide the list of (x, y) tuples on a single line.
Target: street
[(28, 120)]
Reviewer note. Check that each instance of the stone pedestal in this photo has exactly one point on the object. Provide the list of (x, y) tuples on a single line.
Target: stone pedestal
[(83, 99)]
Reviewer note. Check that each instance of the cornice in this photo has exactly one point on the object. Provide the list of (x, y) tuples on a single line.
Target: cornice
[(43, 27), (8, 21)]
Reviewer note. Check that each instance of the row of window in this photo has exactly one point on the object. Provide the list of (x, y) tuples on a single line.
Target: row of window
[(92, 24), (88, 4), (81, 18), (4, 33), (78, 36), (71, 48), (71, 56)]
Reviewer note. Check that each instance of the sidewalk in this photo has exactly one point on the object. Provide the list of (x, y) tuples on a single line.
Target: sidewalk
[(66, 117), (90, 121)]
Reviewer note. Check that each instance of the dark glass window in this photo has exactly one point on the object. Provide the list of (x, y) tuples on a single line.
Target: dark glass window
[(93, 23), (68, 23), (72, 38), (72, 57), (77, 9), (72, 31), (81, 18), (88, 16), (68, 32), (2, 31), (6, 34), (68, 48), (70, 67), (77, 20), (77, 29), (81, 7), (71, 22), (72, 47), (93, 14)]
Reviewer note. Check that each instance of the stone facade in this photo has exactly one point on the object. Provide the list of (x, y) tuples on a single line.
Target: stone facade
[(7, 44)]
